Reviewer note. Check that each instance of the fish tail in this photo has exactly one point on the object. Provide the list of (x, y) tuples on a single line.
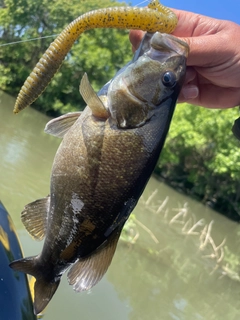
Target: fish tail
[(43, 289)]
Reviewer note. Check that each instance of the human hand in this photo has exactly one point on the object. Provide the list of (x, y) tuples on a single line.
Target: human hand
[(213, 72)]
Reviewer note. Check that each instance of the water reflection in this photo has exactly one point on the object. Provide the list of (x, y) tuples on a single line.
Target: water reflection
[(26, 156), (174, 285), (170, 279)]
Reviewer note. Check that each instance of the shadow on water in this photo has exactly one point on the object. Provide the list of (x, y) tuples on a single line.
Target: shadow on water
[(167, 268)]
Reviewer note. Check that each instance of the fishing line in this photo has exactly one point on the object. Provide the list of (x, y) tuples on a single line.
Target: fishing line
[(27, 40), (53, 35), (138, 4)]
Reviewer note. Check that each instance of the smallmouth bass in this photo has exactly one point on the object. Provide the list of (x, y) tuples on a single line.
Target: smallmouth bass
[(101, 168)]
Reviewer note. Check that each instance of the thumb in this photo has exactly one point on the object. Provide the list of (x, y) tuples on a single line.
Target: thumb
[(135, 37), (204, 36), (204, 51)]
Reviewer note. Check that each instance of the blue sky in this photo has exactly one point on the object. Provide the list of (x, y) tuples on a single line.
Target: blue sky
[(227, 9)]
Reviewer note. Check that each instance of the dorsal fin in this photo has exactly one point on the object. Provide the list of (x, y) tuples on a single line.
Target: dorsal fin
[(92, 99), (34, 217), (85, 273), (59, 126)]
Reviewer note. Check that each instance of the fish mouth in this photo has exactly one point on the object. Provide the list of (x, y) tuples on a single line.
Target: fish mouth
[(135, 94), (166, 45)]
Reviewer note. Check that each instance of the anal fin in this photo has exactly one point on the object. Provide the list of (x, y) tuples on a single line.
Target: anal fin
[(87, 272), (34, 217), (43, 292)]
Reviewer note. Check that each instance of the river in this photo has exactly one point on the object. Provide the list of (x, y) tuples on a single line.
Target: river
[(177, 259)]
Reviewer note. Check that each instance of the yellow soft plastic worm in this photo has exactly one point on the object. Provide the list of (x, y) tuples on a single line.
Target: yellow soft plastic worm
[(170, 19), (154, 18)]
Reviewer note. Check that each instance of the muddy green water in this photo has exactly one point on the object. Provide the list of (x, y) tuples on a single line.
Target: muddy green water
[(167, 268)]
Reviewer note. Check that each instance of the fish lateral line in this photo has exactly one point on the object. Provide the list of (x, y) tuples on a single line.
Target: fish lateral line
[(154, 18)]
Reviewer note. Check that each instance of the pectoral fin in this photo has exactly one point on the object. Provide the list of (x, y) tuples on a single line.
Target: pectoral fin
[(34, 217), (87, 272), (58, 127), (91, 98)]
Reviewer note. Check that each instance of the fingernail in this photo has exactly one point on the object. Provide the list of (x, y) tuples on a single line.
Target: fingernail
[(190, 92)]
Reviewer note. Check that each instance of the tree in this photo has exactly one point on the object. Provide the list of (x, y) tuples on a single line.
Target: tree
[(202, 157)]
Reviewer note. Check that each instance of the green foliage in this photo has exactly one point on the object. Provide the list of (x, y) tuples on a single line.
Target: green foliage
[(99, 52), (202, 157)]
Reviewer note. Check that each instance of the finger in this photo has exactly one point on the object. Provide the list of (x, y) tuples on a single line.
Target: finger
[(213, 97), (190, 89), (189, 92), (135, 37), (191, 74), (192, 24), (207, 51), (206, 38)]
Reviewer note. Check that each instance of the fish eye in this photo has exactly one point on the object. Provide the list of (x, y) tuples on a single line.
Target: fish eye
[(169, 79)]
